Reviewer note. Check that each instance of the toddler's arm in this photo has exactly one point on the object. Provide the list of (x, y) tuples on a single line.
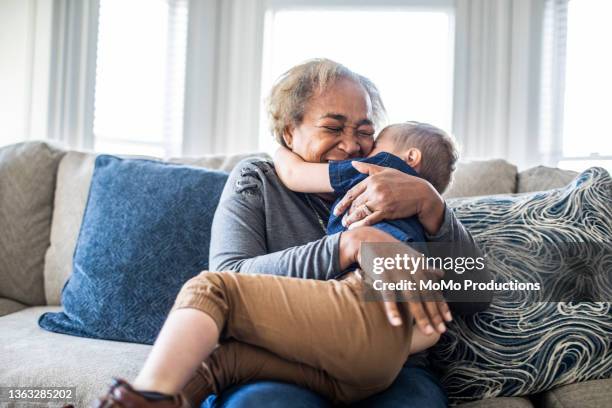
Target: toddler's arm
[(299, 175)]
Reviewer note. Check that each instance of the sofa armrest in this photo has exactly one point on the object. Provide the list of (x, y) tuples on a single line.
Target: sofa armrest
[(8, 306)]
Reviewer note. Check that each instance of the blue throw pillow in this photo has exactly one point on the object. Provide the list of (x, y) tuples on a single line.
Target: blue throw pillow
[(522, 346), (145, 231)]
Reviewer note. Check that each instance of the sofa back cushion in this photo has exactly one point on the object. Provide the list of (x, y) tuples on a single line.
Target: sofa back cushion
[(223, 162), (73, 182), (483, 177), (541, 178), (145, 232), (73, 179), (27, 182)]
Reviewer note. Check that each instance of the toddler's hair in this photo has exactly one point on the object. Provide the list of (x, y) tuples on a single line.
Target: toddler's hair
[(438, 149)]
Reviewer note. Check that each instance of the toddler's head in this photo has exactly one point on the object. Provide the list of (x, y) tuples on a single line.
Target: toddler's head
[(426, 148)]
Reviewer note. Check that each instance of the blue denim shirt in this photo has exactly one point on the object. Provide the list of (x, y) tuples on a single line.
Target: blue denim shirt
[(343, 176)]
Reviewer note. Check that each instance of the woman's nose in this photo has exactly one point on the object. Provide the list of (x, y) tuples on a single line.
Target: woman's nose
[(350, 143)]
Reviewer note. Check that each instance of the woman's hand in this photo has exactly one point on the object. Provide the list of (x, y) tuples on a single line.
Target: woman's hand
[(391, 194), (429, 315)]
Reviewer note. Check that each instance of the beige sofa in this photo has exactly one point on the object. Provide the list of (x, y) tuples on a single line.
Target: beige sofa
[(43, 191)]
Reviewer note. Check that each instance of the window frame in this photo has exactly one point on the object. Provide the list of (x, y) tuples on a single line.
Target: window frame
[(602, 154), (224, 70), (275, 6), (220, 78), (374, 4), (170, 129)]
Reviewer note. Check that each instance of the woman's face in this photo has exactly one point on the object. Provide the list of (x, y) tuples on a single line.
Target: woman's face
[(337, 125)]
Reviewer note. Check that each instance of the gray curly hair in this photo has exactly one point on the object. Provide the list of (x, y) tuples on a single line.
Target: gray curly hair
[(287, 100)]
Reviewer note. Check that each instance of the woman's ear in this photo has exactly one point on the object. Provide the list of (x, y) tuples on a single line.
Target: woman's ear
[(288, 136), (413, 157)]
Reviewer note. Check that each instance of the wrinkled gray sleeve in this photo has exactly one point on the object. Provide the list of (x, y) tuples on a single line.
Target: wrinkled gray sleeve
[(461, 244), (240, 241)]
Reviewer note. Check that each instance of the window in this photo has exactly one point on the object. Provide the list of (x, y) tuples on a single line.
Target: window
[(140, 77), (588, 86), (407, 53)]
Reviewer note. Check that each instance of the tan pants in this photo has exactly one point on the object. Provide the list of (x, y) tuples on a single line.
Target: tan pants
[(316, 334)]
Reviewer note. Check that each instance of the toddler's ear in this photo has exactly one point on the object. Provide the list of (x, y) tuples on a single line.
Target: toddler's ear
[(413, 157)]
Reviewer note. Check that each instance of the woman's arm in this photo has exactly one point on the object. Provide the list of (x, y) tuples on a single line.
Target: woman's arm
[(240, 231), (240, 235), (299, 175)]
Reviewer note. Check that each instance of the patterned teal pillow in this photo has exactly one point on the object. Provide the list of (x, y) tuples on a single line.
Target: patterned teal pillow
[(520, 345)]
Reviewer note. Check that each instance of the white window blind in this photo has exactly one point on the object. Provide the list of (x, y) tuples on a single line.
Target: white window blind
[(140, 74), (407, 53), (554, 34)]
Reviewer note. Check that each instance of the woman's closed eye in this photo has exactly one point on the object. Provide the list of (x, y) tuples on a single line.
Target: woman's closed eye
[(338, 129), (334, 129)]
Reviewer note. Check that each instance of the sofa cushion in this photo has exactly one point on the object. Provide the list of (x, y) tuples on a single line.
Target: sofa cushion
[(73, 181), (484, 177), (589, 394), (520, 345), (8, 306), (33, 357), (27, 183), (543, 178), (145, 231)]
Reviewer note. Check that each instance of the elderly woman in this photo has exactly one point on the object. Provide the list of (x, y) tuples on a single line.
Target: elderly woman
[(322, 111)]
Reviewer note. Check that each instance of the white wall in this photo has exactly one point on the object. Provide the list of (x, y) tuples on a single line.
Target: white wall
[(15, 62), (24, 66)]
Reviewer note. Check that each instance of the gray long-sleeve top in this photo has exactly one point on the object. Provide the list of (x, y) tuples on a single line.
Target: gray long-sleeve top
[(261, 226)]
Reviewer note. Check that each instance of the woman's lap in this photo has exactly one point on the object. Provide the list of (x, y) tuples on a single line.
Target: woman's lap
[(270, 394), (414, 387)]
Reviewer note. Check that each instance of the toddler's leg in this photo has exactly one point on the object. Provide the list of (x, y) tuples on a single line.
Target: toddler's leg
[(320, 324), (234, 363)]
